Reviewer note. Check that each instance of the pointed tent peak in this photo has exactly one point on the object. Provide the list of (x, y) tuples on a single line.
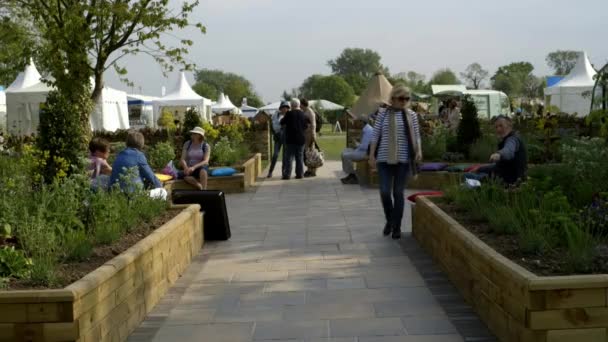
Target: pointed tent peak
[(29, 77), (377, 92), (182, 91), (581, 75)]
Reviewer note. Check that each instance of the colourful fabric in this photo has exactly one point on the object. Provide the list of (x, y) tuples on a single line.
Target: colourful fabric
[(433, 166), (458, 168), (223, 172), (473, 168), (412, 198)]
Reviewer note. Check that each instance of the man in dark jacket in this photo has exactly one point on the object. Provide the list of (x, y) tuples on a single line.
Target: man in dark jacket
[(511, 159), (295, 124)]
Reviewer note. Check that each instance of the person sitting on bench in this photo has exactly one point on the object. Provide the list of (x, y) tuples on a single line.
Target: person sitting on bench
[(349, 155)]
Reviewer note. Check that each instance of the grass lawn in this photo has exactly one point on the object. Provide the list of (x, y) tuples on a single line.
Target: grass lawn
[(332, 145)]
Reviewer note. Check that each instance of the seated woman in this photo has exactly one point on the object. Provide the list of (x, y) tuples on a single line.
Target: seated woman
[(195, 159), (133, 158), (98, 168)]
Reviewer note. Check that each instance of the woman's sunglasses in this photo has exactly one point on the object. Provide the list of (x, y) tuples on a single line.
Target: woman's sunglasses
[(403, 98)]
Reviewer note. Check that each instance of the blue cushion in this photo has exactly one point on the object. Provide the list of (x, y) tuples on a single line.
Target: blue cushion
[(223, 172), (433, 166)]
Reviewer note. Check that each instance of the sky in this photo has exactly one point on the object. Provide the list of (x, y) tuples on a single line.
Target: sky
[(276, 44)]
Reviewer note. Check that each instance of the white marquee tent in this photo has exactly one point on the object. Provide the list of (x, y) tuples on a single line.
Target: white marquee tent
[(224, 105), (569, 94), (182, 97), (28, 92), (247, 110), (324, 104)]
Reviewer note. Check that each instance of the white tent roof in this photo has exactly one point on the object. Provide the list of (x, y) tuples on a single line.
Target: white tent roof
[(325, 105), (223, 105), (568, 94), (449, 89), (182, 95), (271, 107), (29, 77), (581, 76)]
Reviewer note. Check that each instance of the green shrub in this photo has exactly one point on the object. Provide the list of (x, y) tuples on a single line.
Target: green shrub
[(434, 145), (224, 154), (13, 263), (481, 150), (167, 120), (192, 119), (160, 154), (468, 129)]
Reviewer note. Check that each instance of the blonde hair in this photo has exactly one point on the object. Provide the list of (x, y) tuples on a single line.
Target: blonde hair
[(399, 90)]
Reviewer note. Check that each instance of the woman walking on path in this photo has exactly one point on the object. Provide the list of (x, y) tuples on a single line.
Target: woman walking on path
[(278, 135), (395, 149)]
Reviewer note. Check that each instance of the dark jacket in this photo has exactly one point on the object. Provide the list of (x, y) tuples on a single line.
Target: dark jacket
[(133, 158), (513, 163), (295, 123)]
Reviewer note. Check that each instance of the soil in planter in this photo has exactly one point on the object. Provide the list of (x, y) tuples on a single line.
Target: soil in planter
[(551, 263), (71, 272)]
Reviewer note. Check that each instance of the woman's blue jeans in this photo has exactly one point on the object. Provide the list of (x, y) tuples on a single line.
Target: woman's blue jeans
[(392, 180)]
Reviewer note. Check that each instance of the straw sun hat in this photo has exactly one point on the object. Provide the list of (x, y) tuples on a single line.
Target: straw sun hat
[(198, 130)]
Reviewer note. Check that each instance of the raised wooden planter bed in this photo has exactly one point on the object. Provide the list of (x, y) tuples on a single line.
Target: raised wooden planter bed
[(110, 302), (516, 304), (240, 182), (436, 180)]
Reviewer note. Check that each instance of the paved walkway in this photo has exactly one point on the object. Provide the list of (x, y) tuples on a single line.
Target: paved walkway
[(308, 262)]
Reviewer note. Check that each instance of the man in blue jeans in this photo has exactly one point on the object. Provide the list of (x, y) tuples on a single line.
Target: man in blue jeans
[(278, 135), (295, 124)]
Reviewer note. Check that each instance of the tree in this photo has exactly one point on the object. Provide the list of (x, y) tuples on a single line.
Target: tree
[(210, 83), (84, 38), (18, 45), (475, 75), (562, 61), (332, 88), (514, 79), (444, 76), (191, 119), (357, 67), (415, 81), (468, 128)]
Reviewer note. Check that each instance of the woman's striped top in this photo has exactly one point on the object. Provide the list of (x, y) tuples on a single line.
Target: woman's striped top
[(381, 132)]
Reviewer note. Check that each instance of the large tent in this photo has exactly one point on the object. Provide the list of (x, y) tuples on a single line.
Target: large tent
[(224, 105), (247, 110), (377, 92), (25, 95), (141, 110), (569, 95), (181, 98), (325, 105)]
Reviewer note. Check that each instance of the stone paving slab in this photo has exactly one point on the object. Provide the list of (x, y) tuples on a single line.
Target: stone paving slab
[(308, 263)]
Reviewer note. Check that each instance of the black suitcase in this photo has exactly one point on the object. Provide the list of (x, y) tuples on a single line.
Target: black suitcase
[(213, 203)]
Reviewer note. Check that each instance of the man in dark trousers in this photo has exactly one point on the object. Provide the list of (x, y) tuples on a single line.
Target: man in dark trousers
[(295, 125)]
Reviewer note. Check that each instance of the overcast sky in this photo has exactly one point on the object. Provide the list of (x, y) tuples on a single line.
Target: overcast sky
[(276, 44)]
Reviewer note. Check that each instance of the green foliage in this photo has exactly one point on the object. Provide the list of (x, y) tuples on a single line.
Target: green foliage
[(192, 119), (516, 80), (415, 81), (444, 76), (210, 83), (600, 118), (481, 150), (225, 153), (469, 130), (13, 263), (357, 66), (167, 120), (332, 88), (18, 46), (211, 133), (64, 220), (475, 75), (160, 154), (562, 61), (434, 144), (60, 135)]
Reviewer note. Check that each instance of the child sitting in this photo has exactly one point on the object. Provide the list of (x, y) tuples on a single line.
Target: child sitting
[(99, 169)]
